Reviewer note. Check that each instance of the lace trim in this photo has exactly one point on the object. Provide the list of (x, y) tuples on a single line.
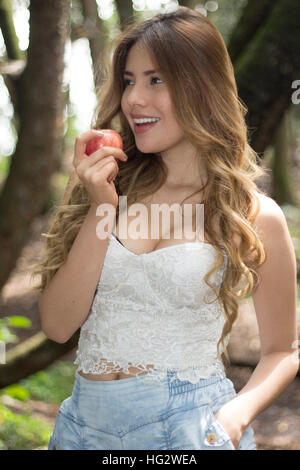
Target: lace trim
[(191, 374)]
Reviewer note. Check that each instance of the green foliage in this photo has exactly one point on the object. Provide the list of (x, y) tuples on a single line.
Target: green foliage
[(16, 391), (16, 321), (4, 167), (71, 129), (52, 385), (22, 432)]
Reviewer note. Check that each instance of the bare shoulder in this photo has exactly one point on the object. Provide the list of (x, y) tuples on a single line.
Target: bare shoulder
[(267, 204), (272, 229), (269, 222)]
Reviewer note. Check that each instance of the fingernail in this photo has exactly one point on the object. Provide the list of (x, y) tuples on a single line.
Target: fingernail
[(99, 132)]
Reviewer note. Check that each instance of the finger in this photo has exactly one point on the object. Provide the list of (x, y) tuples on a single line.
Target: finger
[(95, 157), (117, 153), (86, 169), (99, 165), (80, 143), (107, 172), (112, 176)]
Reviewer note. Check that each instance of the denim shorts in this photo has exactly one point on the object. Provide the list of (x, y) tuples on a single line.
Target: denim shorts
[(131, 414)]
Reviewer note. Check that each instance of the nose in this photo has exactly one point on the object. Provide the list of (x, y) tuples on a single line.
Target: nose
[(136, 95)]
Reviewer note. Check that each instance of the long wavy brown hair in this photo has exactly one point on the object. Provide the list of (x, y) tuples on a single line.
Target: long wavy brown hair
[(192, 56)]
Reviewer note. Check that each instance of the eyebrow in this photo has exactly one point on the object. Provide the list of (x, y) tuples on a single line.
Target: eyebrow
[(147, 72)]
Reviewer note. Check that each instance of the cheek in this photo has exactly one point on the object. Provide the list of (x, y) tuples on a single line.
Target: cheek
[(169, 114), (165, 105), (123, 105), (125, 110), (173, 119)]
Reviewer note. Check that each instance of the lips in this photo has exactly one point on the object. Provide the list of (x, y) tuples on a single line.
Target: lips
[(142, 128), (140, 116)]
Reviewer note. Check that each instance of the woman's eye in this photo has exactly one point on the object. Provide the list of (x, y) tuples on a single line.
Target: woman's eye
[(127, 81), (156, 78)]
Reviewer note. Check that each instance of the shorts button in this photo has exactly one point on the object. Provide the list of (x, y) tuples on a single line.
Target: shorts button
[(211, 438)]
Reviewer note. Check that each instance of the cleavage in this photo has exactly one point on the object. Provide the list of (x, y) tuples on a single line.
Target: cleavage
[(148, 245)]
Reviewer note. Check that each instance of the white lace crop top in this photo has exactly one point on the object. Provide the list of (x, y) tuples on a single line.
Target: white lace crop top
[(149, 309)]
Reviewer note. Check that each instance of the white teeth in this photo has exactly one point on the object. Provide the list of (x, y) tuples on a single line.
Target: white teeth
[(142, 121)]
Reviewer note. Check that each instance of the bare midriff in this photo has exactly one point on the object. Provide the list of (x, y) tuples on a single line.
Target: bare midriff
[(115, 375)]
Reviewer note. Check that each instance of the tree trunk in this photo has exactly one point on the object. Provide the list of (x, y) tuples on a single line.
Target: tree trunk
[(8, 30), (14, 65), (254, 15), (282, 189), (126, 12), (96, 36), (41, 128), (266, 69), (188, 3), (32, 355)]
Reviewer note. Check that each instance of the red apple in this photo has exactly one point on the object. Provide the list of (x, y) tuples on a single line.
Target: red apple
[(110, 138)]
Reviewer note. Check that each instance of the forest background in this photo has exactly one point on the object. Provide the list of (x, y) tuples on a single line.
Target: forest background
[(49, 56)]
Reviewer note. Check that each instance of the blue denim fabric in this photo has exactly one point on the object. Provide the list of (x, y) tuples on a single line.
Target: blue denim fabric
[(130, 414)]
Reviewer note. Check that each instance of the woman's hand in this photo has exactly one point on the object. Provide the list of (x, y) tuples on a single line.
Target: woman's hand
[(96, 170), (232, 421)]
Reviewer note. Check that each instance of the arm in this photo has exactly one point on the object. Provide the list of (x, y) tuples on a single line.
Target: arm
[(275, 307), (66, 301)]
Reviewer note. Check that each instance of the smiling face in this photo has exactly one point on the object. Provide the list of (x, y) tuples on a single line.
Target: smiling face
[(148, 95)]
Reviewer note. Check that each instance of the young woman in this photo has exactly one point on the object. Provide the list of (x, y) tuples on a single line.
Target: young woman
[(151, 370)]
